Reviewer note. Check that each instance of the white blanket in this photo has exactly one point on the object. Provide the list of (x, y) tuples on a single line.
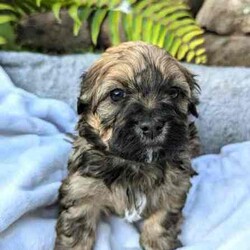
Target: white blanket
[(33, 159)]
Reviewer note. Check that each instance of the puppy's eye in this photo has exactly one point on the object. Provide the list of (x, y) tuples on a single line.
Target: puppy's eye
[(174, 92), (117, 94)]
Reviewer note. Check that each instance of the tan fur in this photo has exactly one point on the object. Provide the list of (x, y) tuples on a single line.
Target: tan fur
[(84, 198), (94, 121), (153, 230)]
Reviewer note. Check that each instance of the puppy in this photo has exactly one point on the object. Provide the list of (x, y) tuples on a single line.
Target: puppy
[(132, 155)]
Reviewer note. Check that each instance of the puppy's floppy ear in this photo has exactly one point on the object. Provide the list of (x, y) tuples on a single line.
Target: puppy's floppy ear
[(192, 109), (80, 106), (195, 90), (83, 100)]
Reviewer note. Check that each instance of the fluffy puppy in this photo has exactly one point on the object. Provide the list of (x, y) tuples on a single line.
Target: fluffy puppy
[(132, 155)]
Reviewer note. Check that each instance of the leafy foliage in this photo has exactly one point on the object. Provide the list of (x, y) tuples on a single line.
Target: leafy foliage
[(166, 23)]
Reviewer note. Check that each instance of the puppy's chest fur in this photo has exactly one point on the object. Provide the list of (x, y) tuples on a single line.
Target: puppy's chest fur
[(134, 212), (139, 203)]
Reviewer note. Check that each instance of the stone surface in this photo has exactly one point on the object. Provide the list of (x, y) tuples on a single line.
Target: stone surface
[(227, 50), (224, 108), (195, 5), (225, 17), (42, 32)]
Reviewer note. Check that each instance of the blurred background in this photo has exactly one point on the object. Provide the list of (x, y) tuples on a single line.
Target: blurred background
[(201, 31)]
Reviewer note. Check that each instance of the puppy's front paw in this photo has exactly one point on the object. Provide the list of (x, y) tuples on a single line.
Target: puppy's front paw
[(159, 243)]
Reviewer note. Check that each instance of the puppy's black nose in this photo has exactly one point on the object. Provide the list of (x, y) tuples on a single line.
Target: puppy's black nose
[(151, 128)]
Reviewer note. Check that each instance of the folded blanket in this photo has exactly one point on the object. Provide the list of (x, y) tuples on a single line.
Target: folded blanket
[(218, 206), (33, 159), (224, 100)]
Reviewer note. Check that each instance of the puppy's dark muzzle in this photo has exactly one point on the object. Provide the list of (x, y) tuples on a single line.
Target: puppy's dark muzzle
[(150, 128)]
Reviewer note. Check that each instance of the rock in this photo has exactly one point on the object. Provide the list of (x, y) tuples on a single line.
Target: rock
[(227, 50), (224, 101), (194, 5), (42, 32), (225, 17)]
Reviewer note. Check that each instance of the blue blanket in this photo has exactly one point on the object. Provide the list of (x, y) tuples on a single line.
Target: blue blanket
[(33, 158)]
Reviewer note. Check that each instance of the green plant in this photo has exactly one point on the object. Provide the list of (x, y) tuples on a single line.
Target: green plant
[(166, 23)]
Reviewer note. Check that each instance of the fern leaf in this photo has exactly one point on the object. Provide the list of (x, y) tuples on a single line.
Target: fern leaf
[(7, 18), (187, 38), (114, 21), (196, 43), (73, 12), (140, 6), (200, 51), (175, 46), (162, 36), (131, 2), (171, 10), (114, 3), (190, 56), (166, 23), (147, 30), (156, 34), (96, 24), (27, 7), (84, 13), (38, 2), (186, 30), (56, 10), (175, 16), (6, 7), (101, 3), (89, 3), (198, 60), (137, 28), (181, 23), (2, 40), (169, 41), (204, 58), (153, 9), (127, 21), (182, 51), (181, 31)]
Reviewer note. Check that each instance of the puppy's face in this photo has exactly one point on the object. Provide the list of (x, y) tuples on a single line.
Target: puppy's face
[(138, 99)]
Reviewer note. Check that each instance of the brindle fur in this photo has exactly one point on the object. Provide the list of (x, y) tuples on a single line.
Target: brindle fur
[(109, 166)]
